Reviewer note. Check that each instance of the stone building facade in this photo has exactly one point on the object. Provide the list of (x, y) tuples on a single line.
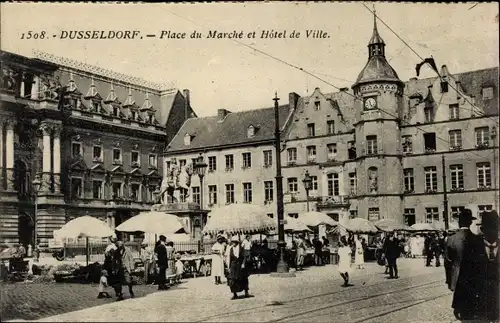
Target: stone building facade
[(374, 151), (94, 139)]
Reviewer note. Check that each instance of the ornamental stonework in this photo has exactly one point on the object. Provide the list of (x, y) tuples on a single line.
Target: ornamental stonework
[(380, 87)]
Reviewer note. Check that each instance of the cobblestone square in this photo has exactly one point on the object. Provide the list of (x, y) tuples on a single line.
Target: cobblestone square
[(315, 294)]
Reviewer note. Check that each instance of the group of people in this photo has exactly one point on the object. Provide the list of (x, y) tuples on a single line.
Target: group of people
[(300, 244), (232, 260), (119, 264), (471, 266), (434, 247)]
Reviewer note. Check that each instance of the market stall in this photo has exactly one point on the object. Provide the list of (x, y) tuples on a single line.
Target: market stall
[(84, 227), (239, 219), (390, 225)]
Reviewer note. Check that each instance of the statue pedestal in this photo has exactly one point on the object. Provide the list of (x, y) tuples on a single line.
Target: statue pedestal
[(190, 214)]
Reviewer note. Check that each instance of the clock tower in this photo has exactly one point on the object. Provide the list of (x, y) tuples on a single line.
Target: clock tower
[(378, 107)]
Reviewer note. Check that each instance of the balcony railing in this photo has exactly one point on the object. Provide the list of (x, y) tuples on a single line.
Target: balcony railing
[(332, 201)]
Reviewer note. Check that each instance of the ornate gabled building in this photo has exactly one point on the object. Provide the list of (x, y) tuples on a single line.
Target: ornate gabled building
[(94, 139), (373, 151)]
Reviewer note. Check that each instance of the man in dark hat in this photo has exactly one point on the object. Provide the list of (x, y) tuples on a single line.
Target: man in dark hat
[(455, 246), (454, 252), (476, 295), (161, 253), (485, 271)]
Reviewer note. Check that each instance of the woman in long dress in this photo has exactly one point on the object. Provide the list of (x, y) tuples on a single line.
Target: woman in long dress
[(171, 270), (301, 252), (344, 253), (218, 260), (359, 257), (238, 272)]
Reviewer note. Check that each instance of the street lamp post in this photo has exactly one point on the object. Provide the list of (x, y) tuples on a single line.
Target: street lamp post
[(307, 185), (201, 167), (282, 267), (36, 187)]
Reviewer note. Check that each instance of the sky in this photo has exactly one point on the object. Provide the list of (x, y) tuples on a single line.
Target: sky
[(222, 73)]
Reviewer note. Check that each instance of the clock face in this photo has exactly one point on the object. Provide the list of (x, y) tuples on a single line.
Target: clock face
[(370, 103)]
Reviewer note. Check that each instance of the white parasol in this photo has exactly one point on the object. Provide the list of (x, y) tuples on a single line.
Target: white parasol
[(389, 225), (359, 225), (423, 227), (84, 226), (294, 225), (153, 222), (314, 219), (239, 219)]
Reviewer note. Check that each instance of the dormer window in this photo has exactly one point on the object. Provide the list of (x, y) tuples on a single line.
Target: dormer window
[(134, 115), (116, 111), (487, 93), (444, 87), (151, 118), (187, 140), (96, 106), (250, 131)]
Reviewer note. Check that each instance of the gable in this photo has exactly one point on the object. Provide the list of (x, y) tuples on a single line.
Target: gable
[(78, 164), (117, 169), (98, 168), (136, 172), (177, 114), (154, 173), (322, 111)]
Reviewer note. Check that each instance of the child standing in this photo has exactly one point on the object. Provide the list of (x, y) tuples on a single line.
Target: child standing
[(103, 283), (179, 268)]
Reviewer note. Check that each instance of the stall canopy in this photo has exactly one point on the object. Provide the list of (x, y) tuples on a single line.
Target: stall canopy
[(294, 225), (359, 225), (85, 226), (314, 219), (153, 222), (388, 225), (239, 219), (423, 227)]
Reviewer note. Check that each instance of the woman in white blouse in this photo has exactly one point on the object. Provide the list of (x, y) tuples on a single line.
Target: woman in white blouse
[(344, 253)]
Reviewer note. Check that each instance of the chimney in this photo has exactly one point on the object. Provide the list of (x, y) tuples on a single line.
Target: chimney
[(293, 98), (187, 103), (444, 71), (221, 114), (344, 89)]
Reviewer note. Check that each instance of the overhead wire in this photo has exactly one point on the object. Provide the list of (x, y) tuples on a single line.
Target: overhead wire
[(439, 75), (317, 77), (422, 59)]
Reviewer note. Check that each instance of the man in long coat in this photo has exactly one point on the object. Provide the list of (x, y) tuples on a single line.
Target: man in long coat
[(123, 267), (476, 294), (455, 247), (162, 262), (392, 251)]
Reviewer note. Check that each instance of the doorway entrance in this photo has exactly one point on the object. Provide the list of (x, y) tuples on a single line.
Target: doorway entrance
[(25, 229)]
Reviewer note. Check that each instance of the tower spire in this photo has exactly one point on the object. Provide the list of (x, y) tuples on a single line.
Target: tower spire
[(376, 46), (376, 39)]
